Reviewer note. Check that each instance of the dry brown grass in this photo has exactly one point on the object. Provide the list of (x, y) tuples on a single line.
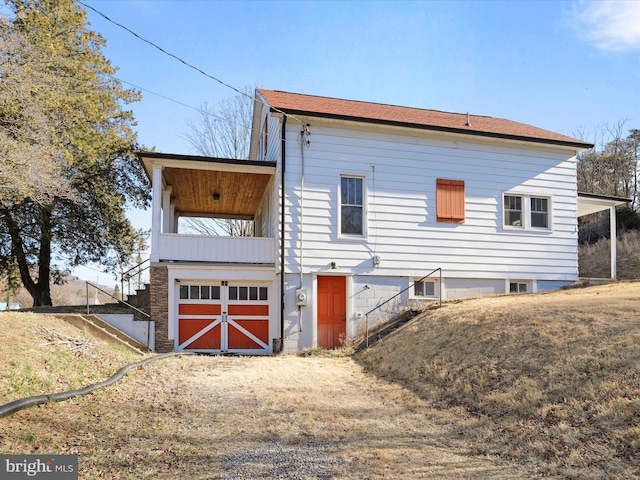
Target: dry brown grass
[(595, 260), (506, 387), (552, 380), (245, 418), (42, 354)]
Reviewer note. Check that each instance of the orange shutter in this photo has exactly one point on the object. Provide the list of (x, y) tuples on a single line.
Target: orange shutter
[(450, 201)]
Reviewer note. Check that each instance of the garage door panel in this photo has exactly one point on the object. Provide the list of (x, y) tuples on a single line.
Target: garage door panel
[(199, 309), (209, 340), (241, 338), (260, 310)]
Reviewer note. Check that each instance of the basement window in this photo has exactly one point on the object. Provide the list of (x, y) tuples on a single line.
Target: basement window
[(424, 289), (518, 287)]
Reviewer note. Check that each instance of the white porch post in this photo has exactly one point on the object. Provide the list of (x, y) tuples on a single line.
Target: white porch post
[(156, 212), (613, 241), (167, 211)]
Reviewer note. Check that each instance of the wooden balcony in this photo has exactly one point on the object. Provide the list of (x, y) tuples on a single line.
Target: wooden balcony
[(200, 248)]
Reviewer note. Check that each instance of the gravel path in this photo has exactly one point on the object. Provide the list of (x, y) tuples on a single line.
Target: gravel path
[(302, 418)]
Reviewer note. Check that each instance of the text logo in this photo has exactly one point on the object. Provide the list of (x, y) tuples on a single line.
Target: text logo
[(49, 467)]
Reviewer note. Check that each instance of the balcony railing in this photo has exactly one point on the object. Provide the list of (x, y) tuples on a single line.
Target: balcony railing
[(201, 248)]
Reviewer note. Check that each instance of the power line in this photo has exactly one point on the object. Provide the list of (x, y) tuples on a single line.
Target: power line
[(166, 98), (184, 62)]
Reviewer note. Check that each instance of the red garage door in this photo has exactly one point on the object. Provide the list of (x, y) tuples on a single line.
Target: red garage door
[(223, 317)]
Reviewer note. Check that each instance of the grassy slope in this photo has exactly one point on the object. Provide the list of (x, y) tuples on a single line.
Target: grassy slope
[(550, 381), (42, 354), (547, 380)]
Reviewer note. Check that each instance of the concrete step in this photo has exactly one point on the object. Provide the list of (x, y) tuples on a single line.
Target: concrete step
[(102, 330)]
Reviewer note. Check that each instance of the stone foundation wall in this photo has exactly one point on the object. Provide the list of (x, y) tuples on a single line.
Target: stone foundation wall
[(159, 293)]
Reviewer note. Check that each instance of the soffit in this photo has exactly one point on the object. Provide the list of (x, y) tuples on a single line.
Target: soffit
[(240, 194), (590, 203)]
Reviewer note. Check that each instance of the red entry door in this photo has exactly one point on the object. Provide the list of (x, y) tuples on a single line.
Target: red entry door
[(332, 311)]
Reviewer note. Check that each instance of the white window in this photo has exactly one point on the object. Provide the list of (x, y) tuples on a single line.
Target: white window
[(518, 287), (351, 206), (539, 212), (425, 289), (513, 210), (523, 211), (199, 292)]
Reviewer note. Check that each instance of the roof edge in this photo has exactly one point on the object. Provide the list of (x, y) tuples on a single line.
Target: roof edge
[(202, 158), (436, 128), (598, 196)]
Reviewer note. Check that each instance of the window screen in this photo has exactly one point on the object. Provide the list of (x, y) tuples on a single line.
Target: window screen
[(351, 206)]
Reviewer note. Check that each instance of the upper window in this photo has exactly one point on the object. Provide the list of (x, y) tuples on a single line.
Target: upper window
[(539, 212), (526, 211), (450, 201), (352, 206), (513, 210)]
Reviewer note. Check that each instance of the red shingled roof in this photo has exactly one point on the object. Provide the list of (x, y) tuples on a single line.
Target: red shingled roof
[(298, 104)]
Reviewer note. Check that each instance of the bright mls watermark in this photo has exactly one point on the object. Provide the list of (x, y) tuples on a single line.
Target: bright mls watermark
[(50, 467)]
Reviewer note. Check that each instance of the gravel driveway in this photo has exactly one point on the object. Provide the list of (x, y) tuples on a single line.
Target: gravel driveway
[(290, 417)]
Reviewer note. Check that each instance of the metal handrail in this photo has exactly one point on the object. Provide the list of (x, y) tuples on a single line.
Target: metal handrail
[(123, 302), (115, 298), (139, 271), (366, 321)]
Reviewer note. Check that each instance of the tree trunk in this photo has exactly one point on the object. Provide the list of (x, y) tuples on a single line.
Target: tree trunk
[(44, 261), (40, 291)]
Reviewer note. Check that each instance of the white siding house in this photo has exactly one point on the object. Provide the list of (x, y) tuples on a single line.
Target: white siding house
[(362, 200)]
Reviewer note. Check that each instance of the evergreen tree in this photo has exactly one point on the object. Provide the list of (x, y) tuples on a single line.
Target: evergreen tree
[(67, 169)]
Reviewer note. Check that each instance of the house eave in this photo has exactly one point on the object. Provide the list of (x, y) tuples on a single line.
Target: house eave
[(579, 146), (589, 203)]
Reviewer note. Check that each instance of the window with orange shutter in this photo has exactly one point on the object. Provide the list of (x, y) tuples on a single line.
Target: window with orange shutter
[(450, 201)]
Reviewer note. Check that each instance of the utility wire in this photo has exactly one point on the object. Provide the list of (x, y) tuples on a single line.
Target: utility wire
[(184, 62), (163, 50)]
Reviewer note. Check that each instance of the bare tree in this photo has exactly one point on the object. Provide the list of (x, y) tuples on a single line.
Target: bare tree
[(610, 169), (222, 131)]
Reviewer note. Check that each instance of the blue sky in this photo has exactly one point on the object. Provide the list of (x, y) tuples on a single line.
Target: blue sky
[(566, 66)]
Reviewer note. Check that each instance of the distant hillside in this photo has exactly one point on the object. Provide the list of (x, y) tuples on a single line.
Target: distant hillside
[(550, 381), (73, 292)]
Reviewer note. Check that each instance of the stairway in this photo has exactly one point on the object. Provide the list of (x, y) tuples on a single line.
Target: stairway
[(101, 329), (387, 328), (141, 299)]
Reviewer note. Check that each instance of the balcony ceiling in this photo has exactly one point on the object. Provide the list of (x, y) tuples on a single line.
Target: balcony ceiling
[(240, 193)]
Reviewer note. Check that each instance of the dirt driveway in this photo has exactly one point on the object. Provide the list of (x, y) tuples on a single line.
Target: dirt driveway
[(271, 417)]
